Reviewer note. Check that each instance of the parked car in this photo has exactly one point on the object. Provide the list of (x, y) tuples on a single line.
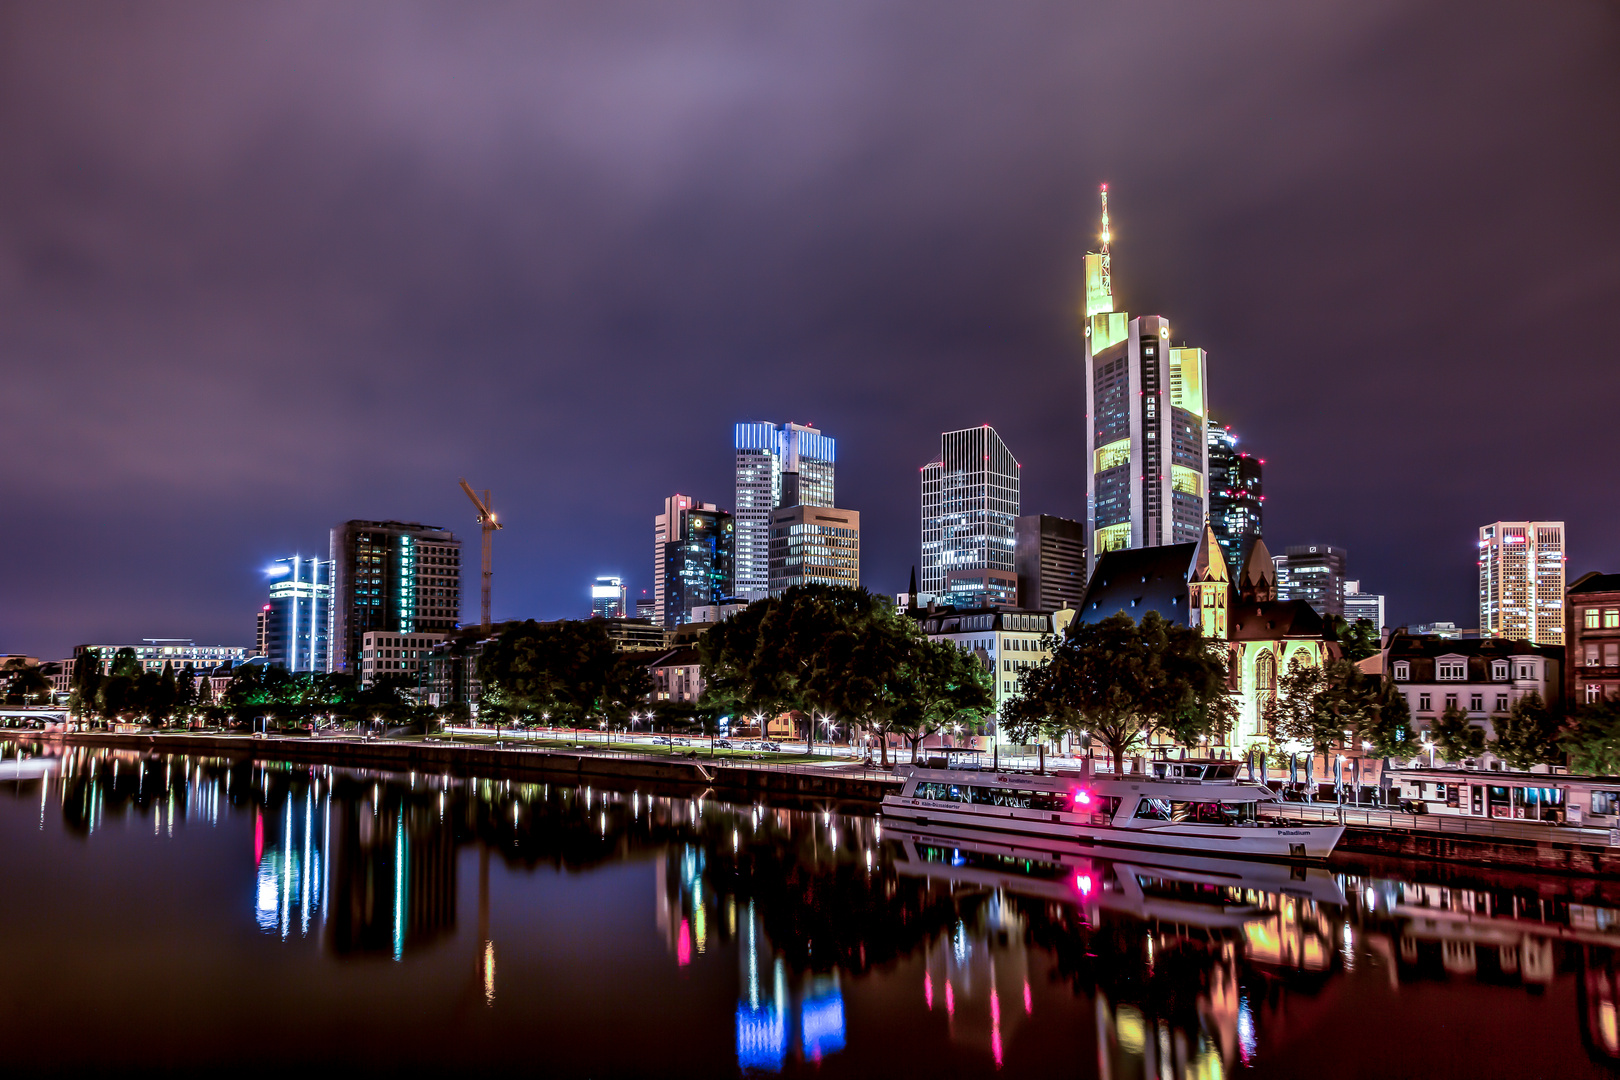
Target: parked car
[(774, 748), (663, 740), (724, 744)]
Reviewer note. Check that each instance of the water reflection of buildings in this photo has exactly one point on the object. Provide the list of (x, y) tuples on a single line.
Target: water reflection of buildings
[(978, 974), (289, 849), (783, 1012), (394, 880)]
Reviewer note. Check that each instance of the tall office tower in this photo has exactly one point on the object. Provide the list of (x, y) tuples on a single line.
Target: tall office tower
[(814, 545), (694, 561), (647, 609), (391, 576), (296, 631), (1236, 498), (608, 597), (261, 637), (970, 501), (1313, 573), (1359, 605), (1148, 474), (1050, 556), (1521, 581), (777, 466)]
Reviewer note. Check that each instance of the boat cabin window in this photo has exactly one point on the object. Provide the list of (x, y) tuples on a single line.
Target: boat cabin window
[(1018, 800), (1202, 813), (1605, 802)]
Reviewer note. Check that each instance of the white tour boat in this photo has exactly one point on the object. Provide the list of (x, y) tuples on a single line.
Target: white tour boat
[(1197, 807)]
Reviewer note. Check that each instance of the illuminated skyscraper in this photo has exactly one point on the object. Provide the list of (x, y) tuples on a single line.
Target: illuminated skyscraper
[(608, 596), (299, 616), (814, 545), (1236, 498), (1313, 573), (694, 559), (777, 466), (970, 503), (1521, 581), (1147, 476), (394, 577)]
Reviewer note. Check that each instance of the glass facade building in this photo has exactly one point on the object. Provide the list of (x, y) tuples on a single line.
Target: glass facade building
[(1236, 498), (970, 503), (1313, 573), (298, 618), (608, 597), (391, 577), (1147, 480), (1521, 581), (777, 466), (695, 558)]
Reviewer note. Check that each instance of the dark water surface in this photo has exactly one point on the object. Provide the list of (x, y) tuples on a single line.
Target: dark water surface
[(190, 913)]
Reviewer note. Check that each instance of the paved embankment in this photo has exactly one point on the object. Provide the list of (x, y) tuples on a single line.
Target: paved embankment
[(842, 783)]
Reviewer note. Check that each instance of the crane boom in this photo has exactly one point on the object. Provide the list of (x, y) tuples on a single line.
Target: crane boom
[(488, 524)]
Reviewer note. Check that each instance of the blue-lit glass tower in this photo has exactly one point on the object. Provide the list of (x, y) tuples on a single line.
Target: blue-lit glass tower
[(778, 465), (297, 623)]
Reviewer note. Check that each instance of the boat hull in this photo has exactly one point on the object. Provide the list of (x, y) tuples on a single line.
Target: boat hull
[(1313, 842)]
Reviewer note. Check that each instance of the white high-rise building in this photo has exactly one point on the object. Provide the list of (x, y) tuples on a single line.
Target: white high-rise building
[(777, 466), (608, 596), (970, 503), (1147, 473), (1359, 605), (1521, 581)]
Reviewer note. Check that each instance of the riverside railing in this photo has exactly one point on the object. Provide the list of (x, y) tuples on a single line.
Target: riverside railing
[(1460, 824)]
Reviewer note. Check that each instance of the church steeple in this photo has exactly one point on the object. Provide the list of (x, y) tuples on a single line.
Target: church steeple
[(1259, 580), (1209, 587)]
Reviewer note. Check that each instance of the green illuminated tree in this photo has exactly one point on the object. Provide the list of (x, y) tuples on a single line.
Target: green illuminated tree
[(1591, 738), (1527, 735), (1455, 737)]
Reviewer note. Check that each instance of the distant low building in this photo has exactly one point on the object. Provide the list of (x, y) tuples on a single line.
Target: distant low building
[(677, 675), (152, 653), (1592, 628), (384, 653)]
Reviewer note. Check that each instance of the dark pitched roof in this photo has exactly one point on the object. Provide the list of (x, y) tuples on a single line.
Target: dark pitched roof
[(685, 656), (1269, 620), (1404, 646), (1139, 580), (1595, 582)]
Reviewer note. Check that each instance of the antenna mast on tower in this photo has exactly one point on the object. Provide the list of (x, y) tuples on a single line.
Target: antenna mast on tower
[(1107, 267)]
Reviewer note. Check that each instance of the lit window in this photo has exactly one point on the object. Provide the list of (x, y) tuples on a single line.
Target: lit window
[(1611, 619), (1453, 669), (1403, 671), (1592, 618)]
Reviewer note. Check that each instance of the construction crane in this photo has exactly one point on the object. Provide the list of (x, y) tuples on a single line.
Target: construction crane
[(487, 522)]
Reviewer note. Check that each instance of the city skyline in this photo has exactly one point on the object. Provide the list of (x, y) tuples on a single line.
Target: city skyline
[(491, 298)]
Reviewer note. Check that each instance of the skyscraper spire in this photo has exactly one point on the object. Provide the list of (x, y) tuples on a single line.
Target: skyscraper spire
[(1107, 265)]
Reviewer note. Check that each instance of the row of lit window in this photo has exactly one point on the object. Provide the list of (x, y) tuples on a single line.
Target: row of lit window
[(1601, 618)]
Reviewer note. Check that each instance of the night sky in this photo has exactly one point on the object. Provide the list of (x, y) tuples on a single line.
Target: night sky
[(266, 267)]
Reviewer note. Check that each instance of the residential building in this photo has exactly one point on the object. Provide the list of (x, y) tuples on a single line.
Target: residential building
[(694, 547), (1480, 677), (1236, 497), (777, 466), (1313, 573), (1593, 632), (608, 596), (970, 503), (1147, 472), (814, 545), (1521, 581), (299, 622), (1190, 585), (1049, 556), (391, 577), (152, 653), (384, 653), (1005, 640), (677, 675), (1359, 605)]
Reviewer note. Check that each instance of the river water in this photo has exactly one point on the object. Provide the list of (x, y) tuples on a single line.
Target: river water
[(188, 913)]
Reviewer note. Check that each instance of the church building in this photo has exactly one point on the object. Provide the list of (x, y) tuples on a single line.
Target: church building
[(1189, 584)]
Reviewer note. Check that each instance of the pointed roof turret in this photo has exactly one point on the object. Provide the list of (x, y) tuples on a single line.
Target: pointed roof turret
[(1259, 575), (1209, 562)]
